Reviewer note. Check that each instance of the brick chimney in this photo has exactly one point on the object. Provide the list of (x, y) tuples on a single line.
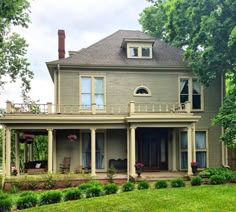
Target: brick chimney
[(61, 44)]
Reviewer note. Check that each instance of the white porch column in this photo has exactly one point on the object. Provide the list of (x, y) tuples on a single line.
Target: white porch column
[(174, 150), (128, 153), (93, 151), (3, 151), (54, 168), (50, 146), (190, 153), (194, 140), (132, 151), (8, 151), (17, 152)]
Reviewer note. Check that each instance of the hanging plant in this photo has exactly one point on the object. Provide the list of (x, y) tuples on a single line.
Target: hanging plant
[(28, 138), (72, 137)]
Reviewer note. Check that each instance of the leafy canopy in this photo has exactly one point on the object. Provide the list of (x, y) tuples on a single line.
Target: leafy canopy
[(13, 64), (206, 30)]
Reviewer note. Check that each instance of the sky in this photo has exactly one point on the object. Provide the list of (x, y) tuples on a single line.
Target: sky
[(84, 21)]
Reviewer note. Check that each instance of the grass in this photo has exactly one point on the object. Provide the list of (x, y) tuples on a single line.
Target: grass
[(199, 198)]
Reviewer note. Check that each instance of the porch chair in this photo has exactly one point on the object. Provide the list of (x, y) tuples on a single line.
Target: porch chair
[(65, 166)]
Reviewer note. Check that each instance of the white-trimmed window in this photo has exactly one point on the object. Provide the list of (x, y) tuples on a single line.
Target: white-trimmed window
[(191, 90), (142, 91), (200, 147), (139, 50), (92, 90)]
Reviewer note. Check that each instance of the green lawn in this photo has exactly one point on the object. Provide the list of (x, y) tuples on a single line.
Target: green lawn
[(201, 198)]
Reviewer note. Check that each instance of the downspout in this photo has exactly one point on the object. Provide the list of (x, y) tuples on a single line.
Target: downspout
[(3, 155)]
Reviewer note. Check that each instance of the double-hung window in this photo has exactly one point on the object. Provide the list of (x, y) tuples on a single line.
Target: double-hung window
[(200, 148), (191, 90), (92, 91)]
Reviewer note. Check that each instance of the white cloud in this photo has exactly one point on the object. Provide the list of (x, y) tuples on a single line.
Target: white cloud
[(85, 22)]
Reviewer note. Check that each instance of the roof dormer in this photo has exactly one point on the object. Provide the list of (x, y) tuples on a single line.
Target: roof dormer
[(138, 48)]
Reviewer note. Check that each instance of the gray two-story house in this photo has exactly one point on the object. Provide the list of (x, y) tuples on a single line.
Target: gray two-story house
[(127, 98)]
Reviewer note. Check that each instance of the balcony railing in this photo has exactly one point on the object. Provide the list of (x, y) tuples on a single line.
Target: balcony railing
[(131, 108)]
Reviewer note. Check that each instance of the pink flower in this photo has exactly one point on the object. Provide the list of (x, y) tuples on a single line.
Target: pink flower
[(194, 163), (139, 165)]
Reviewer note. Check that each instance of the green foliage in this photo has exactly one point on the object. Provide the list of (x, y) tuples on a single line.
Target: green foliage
[(13, 189), (178, 182), (13, 47), (84, 186), (27, 183), (161, 184), (128, 186), (111, 173), (49, 181), (196, 181), (206, 31), (143, 185), (28, 200), (222, 171), (110, 188), (6, 202), (50, 197), (94, 191), (72, 194), (217, 179)]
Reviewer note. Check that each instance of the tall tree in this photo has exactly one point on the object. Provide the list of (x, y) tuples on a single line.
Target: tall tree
[(206, 30), (13, 63)]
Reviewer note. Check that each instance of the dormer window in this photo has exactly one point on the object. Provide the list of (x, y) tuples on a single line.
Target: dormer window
[(138, 48)]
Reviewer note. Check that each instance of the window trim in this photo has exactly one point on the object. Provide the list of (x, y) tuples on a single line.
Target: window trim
[(139, 46), (142, 87), (196, 150), (190, 81), (92, 91)]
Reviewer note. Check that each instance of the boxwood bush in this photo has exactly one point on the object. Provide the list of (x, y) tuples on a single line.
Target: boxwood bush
[(128, 186), (161, 184), (217, 179), (110, 188), (72, 194), (5, 202), (178, 182), (196, 181), (50, 197), (27, 200), (143, 185), (84, 186), (94, 191)]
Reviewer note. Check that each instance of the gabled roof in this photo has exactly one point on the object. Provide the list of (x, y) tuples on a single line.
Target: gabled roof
[(108, 52)]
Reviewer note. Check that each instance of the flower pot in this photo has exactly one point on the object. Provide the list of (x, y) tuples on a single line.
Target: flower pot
[(139, 171)]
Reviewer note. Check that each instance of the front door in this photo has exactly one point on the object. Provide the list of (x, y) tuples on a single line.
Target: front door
[(153, 148)]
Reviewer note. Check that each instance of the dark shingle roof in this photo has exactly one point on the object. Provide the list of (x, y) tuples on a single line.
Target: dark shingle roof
[(108, 52)]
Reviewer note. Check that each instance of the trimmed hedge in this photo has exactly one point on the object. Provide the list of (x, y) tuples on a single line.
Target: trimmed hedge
[(72, 194), (178, 182), (50, 197), (27, 200), (111, 188), (217, 179), (128, 186), (161, 184), (143, 185), (6, 202), (196, 181)]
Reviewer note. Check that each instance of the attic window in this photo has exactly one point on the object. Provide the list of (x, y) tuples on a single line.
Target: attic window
[(142, 91)]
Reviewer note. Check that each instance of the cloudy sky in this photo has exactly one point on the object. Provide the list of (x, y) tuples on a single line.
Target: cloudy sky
[(84, 21)]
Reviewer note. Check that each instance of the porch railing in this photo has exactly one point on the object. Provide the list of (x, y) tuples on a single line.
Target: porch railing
[(130, 108)]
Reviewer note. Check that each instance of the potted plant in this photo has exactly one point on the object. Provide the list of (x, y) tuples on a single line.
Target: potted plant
[(194, 166), (72, 137), (139, 168)]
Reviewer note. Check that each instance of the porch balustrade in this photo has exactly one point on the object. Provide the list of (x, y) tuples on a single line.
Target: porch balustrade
[(132, 108)]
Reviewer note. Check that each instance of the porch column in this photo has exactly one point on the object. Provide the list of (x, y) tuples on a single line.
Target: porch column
[(17, 152), (50, 145), (3, 151), (128, 153), (25, 152), (31, 151), (93, 151), (8, 151), (54, 152), (174, 150), (132, 151), (194, 145), (190, 150)]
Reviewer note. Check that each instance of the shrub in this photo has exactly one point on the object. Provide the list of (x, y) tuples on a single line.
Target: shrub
[(26, 193), (111, 188), (5, 202), (94, 191), (223, 171), (178, 182), (95, 183), (143, 185), (128, 186), (13, 189), (72, 194), (84, 186), (111, 173), (196, 181), (28, 200), (50, 197), (49, 182), (161, 184), (217, 179)]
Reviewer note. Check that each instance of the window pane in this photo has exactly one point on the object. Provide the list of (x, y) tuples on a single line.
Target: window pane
[(100, 150), (184, 86), (99, 85), (200, 140), (196, 102), (141, 91), (145, 52), (86, 84), (201, 159), (184, 160), (86, 150), (184, 143), (99, 99), (196, 92), (134, 52), (86, 100), (196, 87)]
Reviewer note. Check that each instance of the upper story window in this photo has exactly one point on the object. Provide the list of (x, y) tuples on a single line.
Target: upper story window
[(92, 91), (133, 51), (139, 52), (142, 91), (191, 90)]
